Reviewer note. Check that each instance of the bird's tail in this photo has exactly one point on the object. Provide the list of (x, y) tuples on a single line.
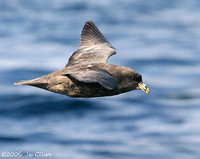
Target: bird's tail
[(33, 82)]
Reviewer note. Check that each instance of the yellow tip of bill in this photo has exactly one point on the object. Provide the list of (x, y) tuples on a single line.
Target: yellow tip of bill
[(143, 87), (147, 91)]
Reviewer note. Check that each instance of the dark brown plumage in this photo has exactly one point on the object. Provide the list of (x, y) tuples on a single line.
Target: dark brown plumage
[(87, 73)]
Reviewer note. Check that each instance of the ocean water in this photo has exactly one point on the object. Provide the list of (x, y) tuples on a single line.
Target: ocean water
[(159, 39)]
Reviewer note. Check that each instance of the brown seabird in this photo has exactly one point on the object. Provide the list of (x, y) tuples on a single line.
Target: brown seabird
[(87, 73)]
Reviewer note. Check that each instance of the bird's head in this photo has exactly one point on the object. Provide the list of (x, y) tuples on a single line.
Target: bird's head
[(133, 80), (137, 79)]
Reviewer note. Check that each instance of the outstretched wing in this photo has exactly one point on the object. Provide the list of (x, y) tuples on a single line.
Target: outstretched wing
[(90, 74), (94, 47), (101, 77)]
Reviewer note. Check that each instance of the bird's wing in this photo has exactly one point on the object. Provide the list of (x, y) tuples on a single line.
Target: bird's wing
[(93, 76), (94, 47)]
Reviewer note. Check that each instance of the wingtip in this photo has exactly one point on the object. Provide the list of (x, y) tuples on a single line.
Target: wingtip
[(91, 34), (90, 21)]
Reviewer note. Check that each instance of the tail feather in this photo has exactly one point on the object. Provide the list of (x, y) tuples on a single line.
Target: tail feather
[(33, 82)]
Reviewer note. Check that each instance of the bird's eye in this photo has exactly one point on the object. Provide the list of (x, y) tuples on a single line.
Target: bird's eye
[(136, 78)]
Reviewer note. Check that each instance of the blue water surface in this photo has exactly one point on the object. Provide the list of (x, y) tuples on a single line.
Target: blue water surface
[(159, 39)]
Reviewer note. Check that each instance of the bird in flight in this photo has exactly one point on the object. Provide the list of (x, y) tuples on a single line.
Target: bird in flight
[(87, 73)]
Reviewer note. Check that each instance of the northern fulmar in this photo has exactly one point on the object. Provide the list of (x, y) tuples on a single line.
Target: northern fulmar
[(87, 73)]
